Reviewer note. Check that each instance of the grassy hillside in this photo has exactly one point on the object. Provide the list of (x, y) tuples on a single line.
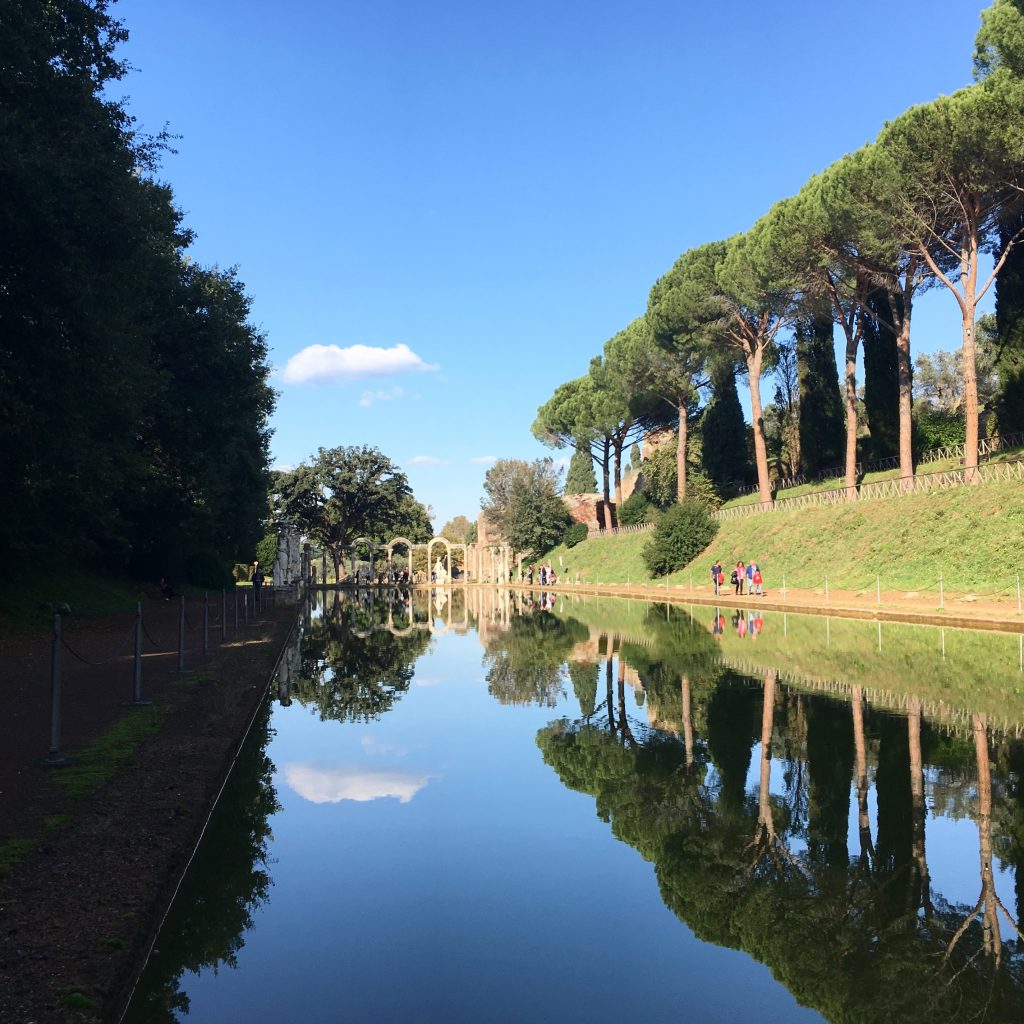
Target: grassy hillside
[(972, 536)]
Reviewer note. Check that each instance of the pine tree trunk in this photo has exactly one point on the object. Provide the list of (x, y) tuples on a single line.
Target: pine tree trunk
[(969, 277), (905, 371), (617, 442), (851, 416), (681, 454), (760, 447)]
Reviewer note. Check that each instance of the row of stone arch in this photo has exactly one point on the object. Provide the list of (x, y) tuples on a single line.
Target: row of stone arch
[(480, 562)]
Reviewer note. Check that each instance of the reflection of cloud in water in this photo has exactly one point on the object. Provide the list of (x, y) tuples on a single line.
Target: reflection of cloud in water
[(324, 783), (374, 746), (427, 680)]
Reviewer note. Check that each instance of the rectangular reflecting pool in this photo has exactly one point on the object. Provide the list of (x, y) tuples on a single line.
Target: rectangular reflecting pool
[(481, 805)]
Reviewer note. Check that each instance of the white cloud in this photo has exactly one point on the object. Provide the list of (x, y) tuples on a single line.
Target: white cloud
[(426, 460), (484, 460), (322, 783), (282, 467), (369, 397), (316, 363)]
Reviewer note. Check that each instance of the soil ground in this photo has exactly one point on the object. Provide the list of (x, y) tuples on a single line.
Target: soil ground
[(89, 855)]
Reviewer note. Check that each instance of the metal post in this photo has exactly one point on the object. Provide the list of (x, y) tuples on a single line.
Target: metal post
[(55, 759), (245, 607), (137, 701), (181, 633), (206, 623), (236, 609), (223, 616), (137, 674)]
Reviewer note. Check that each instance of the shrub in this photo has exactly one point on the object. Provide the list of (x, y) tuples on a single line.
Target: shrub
[(683, 533), (634, 509), (576, 534)]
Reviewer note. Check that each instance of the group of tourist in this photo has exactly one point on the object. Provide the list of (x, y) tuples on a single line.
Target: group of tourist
[(545, 575), (746, 574)]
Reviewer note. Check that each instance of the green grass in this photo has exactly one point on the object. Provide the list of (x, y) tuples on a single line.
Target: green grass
[(972, 536), (834, 483)]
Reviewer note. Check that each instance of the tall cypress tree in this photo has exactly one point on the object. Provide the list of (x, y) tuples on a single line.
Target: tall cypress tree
[(725, 453), (581, 478), (1010, 336), (881, 377), (822, 418)]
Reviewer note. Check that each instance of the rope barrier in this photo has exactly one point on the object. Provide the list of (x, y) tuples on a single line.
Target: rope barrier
[(104, 661)]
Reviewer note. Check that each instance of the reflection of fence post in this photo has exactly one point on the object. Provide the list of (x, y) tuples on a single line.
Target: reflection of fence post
[(206, 622), (181, 633)]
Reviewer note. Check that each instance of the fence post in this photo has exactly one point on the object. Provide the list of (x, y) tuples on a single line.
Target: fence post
[(783, 586), (236, 607), (206, 622), (942, 595), (55, 759), (181, 633), (826, 590), (245, 607), (878, 588), (223, 616), (1018, 593), (137, 701)]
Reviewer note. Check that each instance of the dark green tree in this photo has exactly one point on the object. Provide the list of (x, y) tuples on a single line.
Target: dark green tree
[(581, 478), (726, 458), (881, 376), (1010, 335), (822, 424)]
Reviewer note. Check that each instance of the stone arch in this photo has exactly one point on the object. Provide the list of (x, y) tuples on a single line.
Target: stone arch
[(448, 554)]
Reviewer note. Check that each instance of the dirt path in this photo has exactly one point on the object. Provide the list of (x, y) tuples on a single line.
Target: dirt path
[(98, 866)]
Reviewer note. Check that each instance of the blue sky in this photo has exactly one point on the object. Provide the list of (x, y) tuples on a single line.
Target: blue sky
[(469, 199)]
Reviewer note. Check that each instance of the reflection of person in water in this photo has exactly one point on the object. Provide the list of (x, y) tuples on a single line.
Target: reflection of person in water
[(717, 623)]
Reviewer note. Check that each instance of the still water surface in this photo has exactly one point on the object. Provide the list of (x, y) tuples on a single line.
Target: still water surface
[(527, 809)]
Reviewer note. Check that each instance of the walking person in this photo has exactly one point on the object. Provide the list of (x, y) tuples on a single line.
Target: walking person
[(739, 574), (758, 580), (257, 581), (717, 576), (750, 578)]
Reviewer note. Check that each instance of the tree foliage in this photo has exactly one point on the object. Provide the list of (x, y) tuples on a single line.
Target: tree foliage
[(133, 388), (346, 493), (682, 533), (524, 504)]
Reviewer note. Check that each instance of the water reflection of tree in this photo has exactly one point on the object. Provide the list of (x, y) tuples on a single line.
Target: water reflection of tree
[(524, 663), (861, 939), (227, 882), (352, 669)]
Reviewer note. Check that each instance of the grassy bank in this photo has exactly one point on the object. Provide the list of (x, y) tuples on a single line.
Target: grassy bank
[(971, 536)]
